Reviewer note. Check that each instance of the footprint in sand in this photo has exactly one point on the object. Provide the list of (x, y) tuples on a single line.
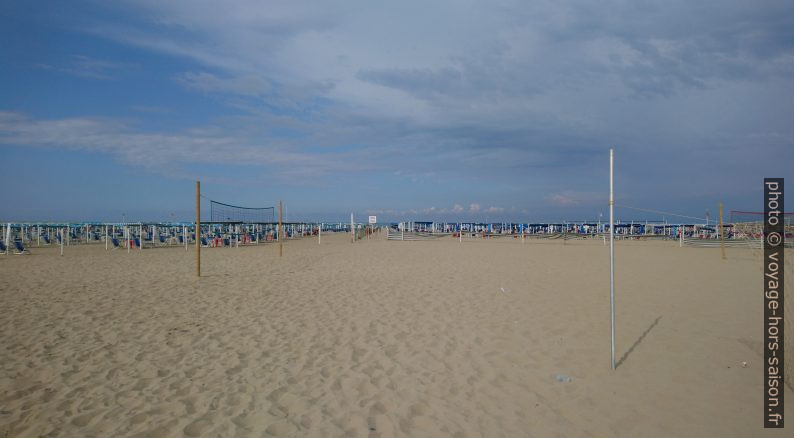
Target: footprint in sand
[(198, 428), (281, 428), (139, 418), (84, 420), (162, 431)]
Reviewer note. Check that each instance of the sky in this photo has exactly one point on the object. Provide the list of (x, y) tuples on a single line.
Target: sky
[(412, 110)]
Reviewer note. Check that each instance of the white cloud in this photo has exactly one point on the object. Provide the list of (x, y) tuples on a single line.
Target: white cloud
[(560, 199), (573, 198), (530, 94), (244, 85), (514, 86), (92, 68), (152, 150)]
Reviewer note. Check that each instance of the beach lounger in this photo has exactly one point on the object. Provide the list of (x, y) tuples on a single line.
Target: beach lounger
[(204, 242), (46, 239), (137, 242), (20, 248), (116, 243), (2, 246)]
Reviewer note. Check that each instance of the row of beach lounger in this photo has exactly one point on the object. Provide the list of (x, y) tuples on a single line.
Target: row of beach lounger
[(19, 248), (118, 242)]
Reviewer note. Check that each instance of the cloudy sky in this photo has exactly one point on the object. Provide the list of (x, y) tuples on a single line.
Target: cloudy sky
[(459, 110)]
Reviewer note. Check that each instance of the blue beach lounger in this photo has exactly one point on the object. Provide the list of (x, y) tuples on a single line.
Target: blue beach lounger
[(2, 246), (20, 248)]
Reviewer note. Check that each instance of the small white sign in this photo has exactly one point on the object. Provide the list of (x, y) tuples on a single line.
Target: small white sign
[(373, 219)]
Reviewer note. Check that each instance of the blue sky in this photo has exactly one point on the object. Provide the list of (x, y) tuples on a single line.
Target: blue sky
[(457, 110)]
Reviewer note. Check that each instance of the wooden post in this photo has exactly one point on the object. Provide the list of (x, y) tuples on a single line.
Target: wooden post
[(280, 242), (722, 234), (198, 228)]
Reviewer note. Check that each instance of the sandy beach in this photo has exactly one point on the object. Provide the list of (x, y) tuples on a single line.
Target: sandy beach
[(376, 339)]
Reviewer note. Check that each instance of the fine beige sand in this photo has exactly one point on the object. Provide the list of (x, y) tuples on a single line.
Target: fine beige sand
[(378, 338)]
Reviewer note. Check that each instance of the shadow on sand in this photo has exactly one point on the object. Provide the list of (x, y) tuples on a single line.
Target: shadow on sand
[(638, 341)]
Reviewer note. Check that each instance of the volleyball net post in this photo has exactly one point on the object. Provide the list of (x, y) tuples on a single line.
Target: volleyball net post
[(722, 234), (279, 233), (198, 228), (612, 251)]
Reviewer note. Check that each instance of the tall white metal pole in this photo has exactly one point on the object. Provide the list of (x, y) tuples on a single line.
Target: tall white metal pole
[(320, 234), (680, 236), (352, 229), (612, 249), (280, 243), (106, 237)]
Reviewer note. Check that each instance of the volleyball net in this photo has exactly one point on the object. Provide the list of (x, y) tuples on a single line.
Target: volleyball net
[(220, 212)]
